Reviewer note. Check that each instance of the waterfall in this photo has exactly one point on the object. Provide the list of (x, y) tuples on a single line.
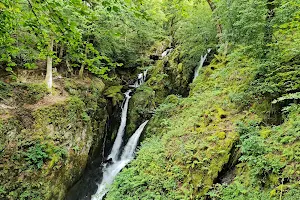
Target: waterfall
[(201, 63), (112, 168), (166, 52), (128, 152), (111, 171), (118, 142), (141, 78)]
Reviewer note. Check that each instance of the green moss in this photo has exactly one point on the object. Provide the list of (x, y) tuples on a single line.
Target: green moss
[(265, 133), (40, 161), (221, 135), (168, 76), (115, 93), (195, 135), (29, 93)]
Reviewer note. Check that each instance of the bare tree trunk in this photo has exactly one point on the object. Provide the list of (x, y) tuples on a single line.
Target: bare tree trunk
[(83, 63), (61, 51), (211, 4), (70, 69), (81, 70), (49, 66)]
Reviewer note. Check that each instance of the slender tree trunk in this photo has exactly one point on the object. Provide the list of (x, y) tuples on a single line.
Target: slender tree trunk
[(49, 66), (211, 4), (270, 16), (83, 63), (70, 70), (81, 70), (61, 51), (219, 26)]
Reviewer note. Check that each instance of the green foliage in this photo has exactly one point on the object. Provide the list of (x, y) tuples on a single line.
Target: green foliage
[(188, 142), (114, 92), (268, 169), (294, 97), (254, 152), (36, 155), (167, 107), (97, 36), (239, 26), (195, 32), (5, 91), (44, 147)]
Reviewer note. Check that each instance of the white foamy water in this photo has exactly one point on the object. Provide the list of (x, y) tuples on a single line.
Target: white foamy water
[(203, 58), (110, 171), (118, 142)]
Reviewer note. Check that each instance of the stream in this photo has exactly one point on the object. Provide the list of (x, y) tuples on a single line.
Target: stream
[(96, 180)]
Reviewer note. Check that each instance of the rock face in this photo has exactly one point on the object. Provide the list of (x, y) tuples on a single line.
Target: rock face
[(168, 76), (46, 141)]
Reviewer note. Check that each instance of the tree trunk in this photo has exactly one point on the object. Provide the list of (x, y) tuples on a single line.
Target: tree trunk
[(49, 66), (219, 26), (83, 63), (81, 70), (270, 16), (211, 4), (61, 51)]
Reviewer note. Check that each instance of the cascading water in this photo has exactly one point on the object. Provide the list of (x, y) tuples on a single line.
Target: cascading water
[(140, 79), (203, 58), (111, 169), (128, 152), (118, 142), (166, 52)]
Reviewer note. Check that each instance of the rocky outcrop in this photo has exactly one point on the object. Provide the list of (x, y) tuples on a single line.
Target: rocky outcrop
[(46, 141), (168, 76)]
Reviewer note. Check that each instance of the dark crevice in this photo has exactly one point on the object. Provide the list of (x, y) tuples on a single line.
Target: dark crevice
[(227, 174)]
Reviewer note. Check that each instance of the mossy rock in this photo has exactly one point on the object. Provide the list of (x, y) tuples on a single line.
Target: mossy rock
[(29, 93), (114, 92), (46, 148)]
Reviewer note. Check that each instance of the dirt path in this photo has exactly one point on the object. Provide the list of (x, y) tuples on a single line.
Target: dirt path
[(46, 101)]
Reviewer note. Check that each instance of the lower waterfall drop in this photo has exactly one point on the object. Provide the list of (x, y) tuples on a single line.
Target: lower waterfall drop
[(110, 171)]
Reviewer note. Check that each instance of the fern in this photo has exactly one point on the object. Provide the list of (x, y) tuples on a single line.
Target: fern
[(292, 96)]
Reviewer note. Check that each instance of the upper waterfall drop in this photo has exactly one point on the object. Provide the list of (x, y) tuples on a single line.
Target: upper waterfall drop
[(111, 171), (141, 78), (201, 63), (119, 139)]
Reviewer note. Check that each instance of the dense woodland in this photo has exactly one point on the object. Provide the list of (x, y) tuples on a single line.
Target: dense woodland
[(232, 133)]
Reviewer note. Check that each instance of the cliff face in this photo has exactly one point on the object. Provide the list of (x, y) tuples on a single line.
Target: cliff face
[(216, 143), (171, 75), (46, 140)]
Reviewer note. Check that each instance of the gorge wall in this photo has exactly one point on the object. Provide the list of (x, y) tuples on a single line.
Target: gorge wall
[(46, 141)]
